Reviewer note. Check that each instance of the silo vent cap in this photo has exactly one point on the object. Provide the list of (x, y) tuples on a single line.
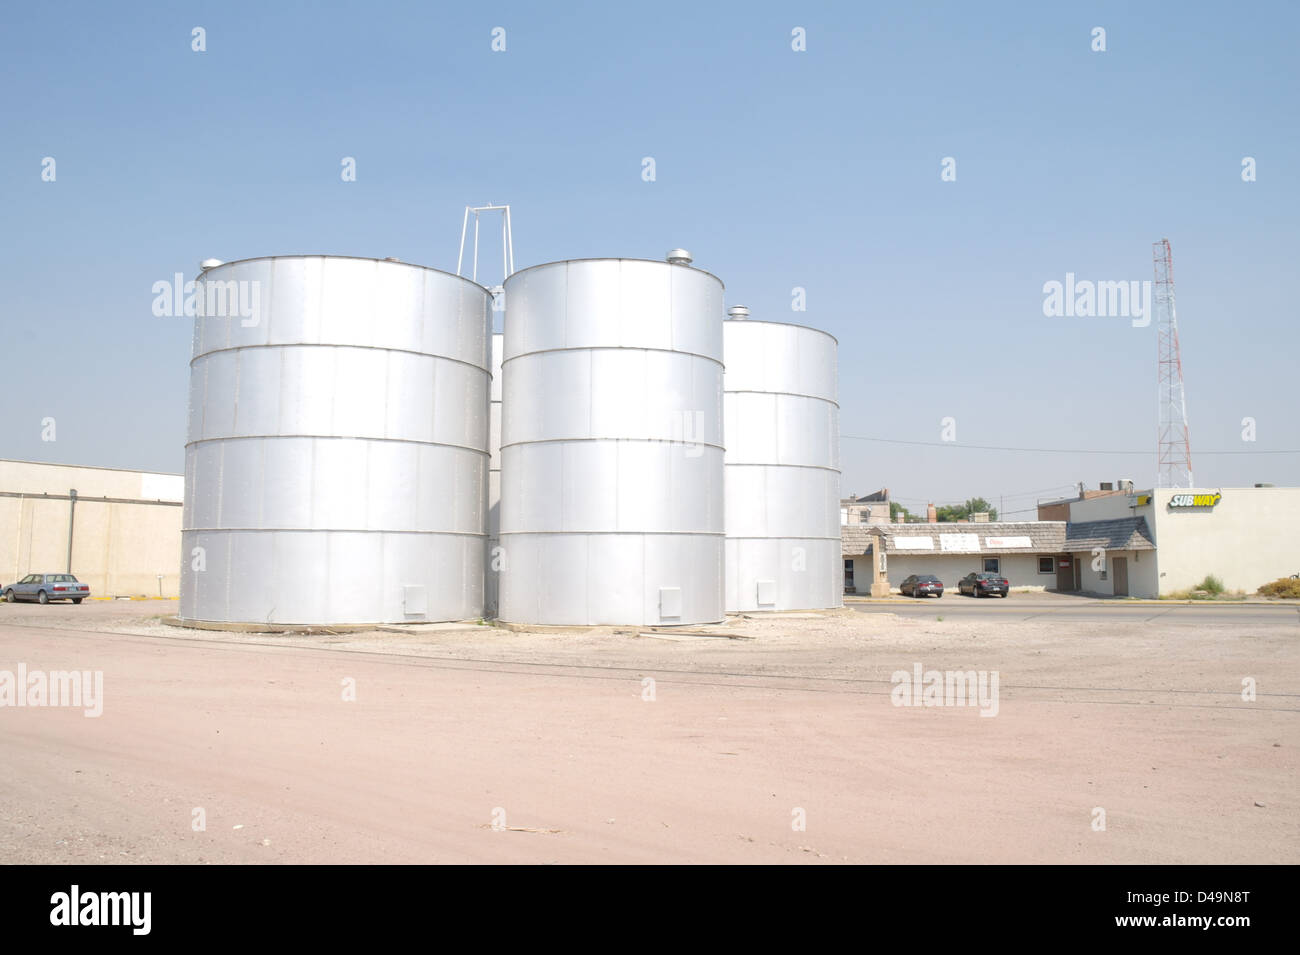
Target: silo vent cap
[(738, 313), (679, 257), (392, 258), (209, 264)]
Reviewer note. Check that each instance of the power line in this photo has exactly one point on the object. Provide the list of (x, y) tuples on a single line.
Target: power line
[(1004, 497), (990, 447), (1008, 495)]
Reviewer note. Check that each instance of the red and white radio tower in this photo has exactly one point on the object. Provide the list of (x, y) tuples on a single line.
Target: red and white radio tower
[(1173, 447)]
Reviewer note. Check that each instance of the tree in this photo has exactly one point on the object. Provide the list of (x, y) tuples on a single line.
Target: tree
[(951, 513)]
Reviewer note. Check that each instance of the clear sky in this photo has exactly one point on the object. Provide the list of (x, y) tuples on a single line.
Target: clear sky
[(818, 169)]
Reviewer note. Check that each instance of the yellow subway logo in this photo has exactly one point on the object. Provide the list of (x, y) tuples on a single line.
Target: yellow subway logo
[(1195, 500)]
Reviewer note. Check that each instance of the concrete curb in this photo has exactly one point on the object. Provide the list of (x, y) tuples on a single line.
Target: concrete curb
[(129, 597), (172, 620)]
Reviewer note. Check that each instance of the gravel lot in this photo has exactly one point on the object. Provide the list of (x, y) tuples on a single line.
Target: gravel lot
[(754, 725)]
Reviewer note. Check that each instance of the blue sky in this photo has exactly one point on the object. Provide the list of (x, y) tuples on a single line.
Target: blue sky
[(817, 169)]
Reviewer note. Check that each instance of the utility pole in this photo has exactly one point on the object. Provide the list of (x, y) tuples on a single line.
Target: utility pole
[(72, 516)]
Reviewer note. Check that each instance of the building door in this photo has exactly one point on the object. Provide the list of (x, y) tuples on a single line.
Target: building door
[(848, 576), (1064, 573), (1119, 572)]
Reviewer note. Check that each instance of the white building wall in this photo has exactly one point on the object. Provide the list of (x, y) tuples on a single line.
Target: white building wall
[(1141, 573), (1251, 537), (1021, 570), (31, 477), (1108, 508)]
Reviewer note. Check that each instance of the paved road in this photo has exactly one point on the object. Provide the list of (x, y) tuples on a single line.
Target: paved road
[(1017, 607)]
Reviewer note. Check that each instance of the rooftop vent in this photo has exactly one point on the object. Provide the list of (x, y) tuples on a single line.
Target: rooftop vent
[(209, 264), (737, 312), (679, 257)]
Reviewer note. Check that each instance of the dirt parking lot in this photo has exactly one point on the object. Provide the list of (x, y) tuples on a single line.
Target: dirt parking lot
[(767, 739)]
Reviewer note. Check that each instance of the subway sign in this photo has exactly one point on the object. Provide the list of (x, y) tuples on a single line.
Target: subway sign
[(1195, 500)]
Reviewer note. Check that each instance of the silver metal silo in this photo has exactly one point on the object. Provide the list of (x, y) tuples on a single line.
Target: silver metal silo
[(492, 577), (782, 467), (338, 443), (611, 444)]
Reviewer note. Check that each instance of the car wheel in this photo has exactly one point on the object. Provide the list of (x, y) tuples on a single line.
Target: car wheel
[(76, 600), (42, 597), (9, 596)]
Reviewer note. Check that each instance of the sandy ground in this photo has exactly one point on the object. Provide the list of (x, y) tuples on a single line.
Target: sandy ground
[(456, 732)]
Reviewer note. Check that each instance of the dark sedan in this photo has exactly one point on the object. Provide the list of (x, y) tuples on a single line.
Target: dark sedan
[(46, 587), (982, 585), (921, 585)]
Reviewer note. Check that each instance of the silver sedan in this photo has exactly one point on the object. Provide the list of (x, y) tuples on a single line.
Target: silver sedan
[(46, 587)]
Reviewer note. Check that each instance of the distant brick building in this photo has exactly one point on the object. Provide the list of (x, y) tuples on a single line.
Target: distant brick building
[(868, 509)]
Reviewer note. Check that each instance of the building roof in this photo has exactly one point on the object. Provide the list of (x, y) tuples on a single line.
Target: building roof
[(998, 537), (992, 537), (1123, 533), (875, 497), (855, 539)]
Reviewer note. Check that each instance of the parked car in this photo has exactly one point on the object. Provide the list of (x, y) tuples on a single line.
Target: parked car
[(46, 587), (921, 585), (982, 584)]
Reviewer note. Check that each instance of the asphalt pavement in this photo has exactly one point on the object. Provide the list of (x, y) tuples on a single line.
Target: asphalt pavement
[(1072, 607)]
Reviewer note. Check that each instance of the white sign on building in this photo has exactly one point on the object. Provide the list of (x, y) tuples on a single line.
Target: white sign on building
[(959, 543), (913, 543), (1006, 543)]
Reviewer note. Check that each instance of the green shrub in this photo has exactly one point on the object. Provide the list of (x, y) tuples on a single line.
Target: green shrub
[(1286, 587), (1210, 584)]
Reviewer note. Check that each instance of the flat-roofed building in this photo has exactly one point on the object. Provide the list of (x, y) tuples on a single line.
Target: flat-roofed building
[(124, 527)]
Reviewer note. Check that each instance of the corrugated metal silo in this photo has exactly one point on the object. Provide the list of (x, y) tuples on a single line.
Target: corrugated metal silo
[(782, 467), (611, 445), (338, 443), (492, 579)]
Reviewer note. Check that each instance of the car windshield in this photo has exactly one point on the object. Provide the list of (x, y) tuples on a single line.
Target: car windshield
[(928, 578)]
